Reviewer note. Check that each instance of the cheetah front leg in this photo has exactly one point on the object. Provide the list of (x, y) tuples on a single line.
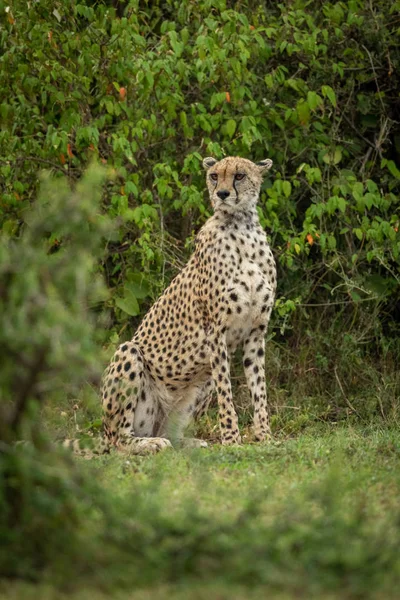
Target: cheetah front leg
[(220, 369), (254, 366)]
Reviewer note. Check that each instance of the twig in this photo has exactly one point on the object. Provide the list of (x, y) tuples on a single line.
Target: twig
[(349, 404), (366, 140), (365, 160), (383, 135), (375, 75), (381, 406), (310, 187), (39, 160), (340, 302)]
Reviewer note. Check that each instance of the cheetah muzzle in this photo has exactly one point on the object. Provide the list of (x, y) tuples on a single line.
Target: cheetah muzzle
[(180, 353)]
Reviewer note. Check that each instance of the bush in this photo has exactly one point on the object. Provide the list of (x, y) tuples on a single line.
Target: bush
[(48, 347)]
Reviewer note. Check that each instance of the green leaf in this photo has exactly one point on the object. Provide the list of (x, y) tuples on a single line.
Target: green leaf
[(372, 187), (333, 158), (131, 188), (303, 111), (313, 100), (328, 92), (286, 188), (139, 289), (218, 98), (393, 169), (331, 242), (176, 45), (369, 200), (183, 118), (128, 304), (332, 204), (149, 79), (342, 204), (150, 212), (230, 127), (356, 297)]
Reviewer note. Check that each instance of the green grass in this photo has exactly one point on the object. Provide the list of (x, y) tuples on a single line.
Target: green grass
[(314, 516)]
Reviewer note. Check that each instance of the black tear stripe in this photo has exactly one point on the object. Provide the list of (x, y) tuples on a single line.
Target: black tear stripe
[(234, 187)]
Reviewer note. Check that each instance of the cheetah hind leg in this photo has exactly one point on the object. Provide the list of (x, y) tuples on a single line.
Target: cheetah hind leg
[(130, 409)]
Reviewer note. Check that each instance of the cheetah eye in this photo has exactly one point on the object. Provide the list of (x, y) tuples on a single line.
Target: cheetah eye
[(239, 176), (214, 176)]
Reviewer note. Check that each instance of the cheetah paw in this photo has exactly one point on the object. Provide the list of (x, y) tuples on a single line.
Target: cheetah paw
[(145, 446), (232, 441), (263, 436)]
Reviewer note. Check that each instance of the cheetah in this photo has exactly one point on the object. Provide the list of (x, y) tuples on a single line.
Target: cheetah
[(161, 379)]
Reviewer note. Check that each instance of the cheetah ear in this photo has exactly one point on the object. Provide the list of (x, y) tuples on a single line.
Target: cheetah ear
[(209, 162), (264, 165)]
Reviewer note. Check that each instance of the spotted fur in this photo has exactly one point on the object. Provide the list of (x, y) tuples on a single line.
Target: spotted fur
[(221, 299)]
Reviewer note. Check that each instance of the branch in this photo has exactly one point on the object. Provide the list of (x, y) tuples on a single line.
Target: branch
[(44, 161), (354, 128), (375, 75), (349, 404)]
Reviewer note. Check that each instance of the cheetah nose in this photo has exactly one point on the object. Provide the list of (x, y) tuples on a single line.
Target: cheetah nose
[(223, 194)]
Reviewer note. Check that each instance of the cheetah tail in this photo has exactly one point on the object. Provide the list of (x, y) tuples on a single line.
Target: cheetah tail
[(88, 448)]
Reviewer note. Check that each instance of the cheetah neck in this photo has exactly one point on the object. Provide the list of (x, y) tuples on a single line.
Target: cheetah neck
[(239, 217)]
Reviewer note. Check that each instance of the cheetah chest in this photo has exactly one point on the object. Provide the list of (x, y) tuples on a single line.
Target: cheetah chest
[(250, 298)]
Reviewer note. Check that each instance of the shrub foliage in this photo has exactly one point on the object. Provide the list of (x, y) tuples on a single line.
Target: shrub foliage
[(48, 346), (150, 88)]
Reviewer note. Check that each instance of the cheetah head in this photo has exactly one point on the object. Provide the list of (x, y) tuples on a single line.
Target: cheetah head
[(234, 183)]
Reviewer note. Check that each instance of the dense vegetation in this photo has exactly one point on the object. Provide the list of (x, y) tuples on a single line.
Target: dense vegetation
[(147, 89)]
